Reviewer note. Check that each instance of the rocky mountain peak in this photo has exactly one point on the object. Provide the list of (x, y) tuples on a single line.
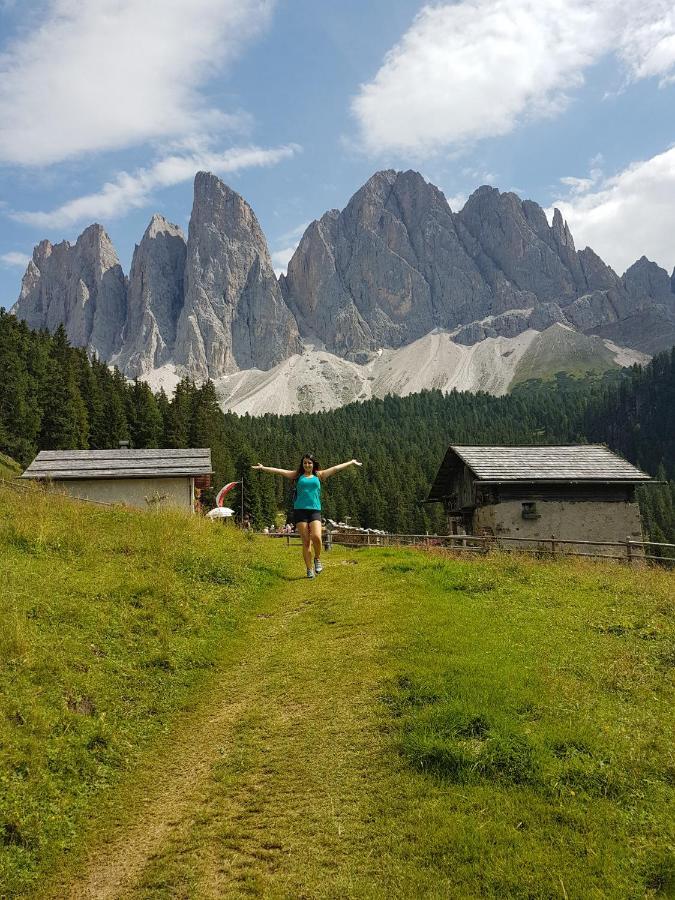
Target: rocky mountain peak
[(42, 251), (387, 269), (81, 286), (159, 225), (154, 299), (647, 279), (561, 231), (515, 234), (233, 314)]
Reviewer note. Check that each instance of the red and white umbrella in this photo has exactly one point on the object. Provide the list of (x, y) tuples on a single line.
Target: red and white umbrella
[(224, 490)]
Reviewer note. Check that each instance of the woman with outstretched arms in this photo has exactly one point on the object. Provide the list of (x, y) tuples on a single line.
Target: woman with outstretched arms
[(308, 478)]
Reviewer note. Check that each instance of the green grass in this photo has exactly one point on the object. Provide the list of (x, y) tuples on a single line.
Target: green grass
[(406, 725), (110, 619), (8, 468), (561, 350)]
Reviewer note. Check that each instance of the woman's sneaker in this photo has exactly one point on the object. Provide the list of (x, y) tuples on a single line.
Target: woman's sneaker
[(310, 573), (318, 566)]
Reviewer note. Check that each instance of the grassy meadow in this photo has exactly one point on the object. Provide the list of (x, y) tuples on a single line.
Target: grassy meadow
[(182, 714)]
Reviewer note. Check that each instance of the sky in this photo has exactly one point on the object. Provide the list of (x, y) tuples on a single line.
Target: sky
[(108, 109)]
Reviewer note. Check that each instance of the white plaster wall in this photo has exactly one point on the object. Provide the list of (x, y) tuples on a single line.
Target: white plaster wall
[(580, 520), (174, 492)]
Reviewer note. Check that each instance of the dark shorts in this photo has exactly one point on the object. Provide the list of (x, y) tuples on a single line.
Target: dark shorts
[(306, 515)]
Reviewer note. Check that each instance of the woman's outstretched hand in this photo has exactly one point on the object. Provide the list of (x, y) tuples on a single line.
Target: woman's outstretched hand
[(355, 462), (258, 466)]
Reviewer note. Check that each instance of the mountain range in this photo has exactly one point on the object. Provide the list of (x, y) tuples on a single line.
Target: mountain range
[(393, 294)]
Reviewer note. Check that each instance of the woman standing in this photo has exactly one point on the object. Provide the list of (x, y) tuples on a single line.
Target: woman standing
[(308, 478)]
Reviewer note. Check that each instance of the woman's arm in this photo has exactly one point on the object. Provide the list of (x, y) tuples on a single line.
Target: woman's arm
[(287, 473), (326, 473)]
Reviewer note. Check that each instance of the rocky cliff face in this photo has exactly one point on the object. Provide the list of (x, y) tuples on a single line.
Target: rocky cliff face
[(155, 299), (81, 287), (395, 265), (387, 269), (397, 262), (233, 316)]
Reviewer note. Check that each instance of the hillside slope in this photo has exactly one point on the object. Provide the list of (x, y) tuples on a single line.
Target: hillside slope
[(183, 714), (318, 380), (8, 468), (112, 619)]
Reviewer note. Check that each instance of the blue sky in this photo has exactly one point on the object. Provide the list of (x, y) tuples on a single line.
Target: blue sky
[(108, 108)]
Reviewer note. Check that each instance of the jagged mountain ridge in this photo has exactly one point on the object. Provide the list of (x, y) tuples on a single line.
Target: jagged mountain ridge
[(395, 265)]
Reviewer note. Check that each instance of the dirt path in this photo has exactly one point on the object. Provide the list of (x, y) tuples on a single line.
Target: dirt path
[(264, 782)]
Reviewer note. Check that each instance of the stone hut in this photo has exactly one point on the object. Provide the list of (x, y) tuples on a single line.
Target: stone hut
[(143, 478), (579, 492)]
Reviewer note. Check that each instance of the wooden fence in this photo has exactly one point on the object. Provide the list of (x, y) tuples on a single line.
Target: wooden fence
[(627, 551)]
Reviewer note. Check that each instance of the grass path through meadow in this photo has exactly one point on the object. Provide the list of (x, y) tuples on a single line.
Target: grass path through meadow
[(265, 784), (408, 726)]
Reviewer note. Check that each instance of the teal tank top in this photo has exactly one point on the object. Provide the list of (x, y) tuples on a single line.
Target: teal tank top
[(307, 492)]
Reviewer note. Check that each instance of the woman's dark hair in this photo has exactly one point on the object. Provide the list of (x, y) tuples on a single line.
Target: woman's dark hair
[(315, 464)]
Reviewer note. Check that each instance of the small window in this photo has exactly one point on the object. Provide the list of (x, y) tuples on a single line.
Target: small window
[(530, 510)]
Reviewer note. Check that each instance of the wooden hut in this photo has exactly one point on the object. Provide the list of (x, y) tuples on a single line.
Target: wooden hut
[(579, 492), (143, 478)]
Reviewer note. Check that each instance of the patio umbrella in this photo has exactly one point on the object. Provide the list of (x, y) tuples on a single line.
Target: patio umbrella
[(220, 512)]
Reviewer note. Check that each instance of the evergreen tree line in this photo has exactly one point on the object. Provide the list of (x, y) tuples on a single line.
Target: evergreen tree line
[(53, 397)]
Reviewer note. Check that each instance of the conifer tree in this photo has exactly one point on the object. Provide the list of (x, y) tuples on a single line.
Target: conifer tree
[(177, 431), (145, 419), (64, 423)]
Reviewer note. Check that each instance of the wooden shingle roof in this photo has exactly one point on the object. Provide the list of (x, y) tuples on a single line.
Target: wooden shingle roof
[(585, 463), (578, 462), (121, 463)]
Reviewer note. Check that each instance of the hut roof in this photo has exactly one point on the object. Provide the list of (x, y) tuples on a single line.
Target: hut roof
[(121, 463), (552, 464)]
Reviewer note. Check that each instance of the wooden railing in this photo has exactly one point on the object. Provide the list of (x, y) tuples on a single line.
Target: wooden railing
[(628, 550)]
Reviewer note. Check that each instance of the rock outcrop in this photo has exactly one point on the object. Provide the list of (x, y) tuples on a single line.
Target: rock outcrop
[(154, 300), (644, 280), (386, 270), (233, 315), (81, 287), (513, 238)]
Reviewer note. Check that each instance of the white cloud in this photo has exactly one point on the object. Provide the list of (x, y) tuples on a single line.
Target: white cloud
[(477, 68), (15, 258), (647, 41), (115, 73), (130, 191), (577, 185), (627, 215), (456, 201), (281, 257)]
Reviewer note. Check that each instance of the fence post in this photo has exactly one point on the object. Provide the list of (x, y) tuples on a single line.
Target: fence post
[(329, 539), (629, 549), (553, 544), (368, 538)]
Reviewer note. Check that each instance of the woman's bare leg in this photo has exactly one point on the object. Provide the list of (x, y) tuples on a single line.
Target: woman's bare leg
[(315, 534), (303, 529)]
